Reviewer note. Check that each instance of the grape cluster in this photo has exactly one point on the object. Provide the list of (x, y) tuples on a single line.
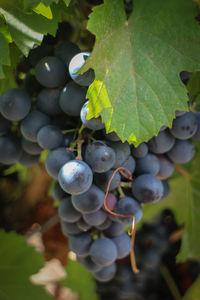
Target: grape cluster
[(155, 252), (50, 113)]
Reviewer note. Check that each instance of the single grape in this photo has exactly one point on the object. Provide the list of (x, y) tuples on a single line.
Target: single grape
[(166, 167), (99, 156), (32, 124), (67, 212), (49, 137), (94, 123), (102, 180), (96, 218), (106, 273), (48, 102), (4, 125), (72, 98), (76, 64), (30, 147), (115, 229), (10, 149), (182, 151), (123, 244), (80, 244), (140, 151), (69, 229), (51, 72), (122, 152), (15, 104), (147, 165), (184, 127), (28, 160), (103, 251), (147, 189), (66, 51), (56, 159), (161, 143), (75, 177), (128, 206), (90, 201), (57, 192)]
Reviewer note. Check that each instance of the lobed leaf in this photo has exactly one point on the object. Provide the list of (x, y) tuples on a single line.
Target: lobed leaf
[(137, 64)]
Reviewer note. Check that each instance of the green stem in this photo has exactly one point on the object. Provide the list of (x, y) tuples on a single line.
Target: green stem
[(121, 193), (170, 282)]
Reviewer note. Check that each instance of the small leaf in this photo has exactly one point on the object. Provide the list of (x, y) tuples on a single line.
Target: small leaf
[(80, 280), (194, 291), (18, 262), (137, 62)]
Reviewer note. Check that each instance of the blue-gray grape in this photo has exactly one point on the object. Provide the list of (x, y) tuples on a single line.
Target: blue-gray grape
[(75, 177), (51, 72), (49, 137), (147, 189), (67, 212), (185, 126), (182, 151), (99, 156), (103, 251), (32, 124), (48, 102), (90, 201), (72, 98), (15, 104), (161, 143), (76, 64)]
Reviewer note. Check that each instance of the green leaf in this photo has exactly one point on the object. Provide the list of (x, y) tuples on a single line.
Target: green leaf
[(194, 292), (18, 262), (137, 64), (184, 201), (80, 280), (28, 29)]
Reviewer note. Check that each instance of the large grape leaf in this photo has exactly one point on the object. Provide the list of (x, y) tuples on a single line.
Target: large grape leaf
[(28, 28), (137, 64), (184, 200), (19, 261), (80, 280)]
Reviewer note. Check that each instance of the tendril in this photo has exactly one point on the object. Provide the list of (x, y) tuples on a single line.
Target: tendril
[(133, 230)]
